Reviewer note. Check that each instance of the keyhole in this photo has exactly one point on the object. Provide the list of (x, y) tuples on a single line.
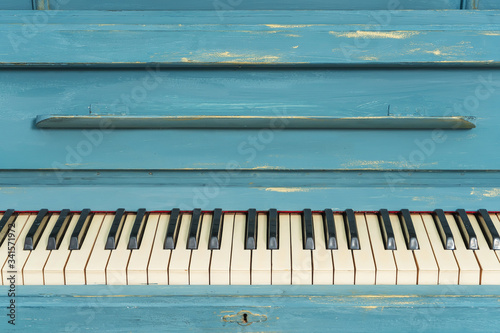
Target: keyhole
[(245, 318)]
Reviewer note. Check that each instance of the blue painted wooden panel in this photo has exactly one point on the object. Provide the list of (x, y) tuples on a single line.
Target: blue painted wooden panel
[(360, 40), (16, 4), (220, 5), (290, 195), (273, 308), (451, 19), (487, 4), (339, 92)]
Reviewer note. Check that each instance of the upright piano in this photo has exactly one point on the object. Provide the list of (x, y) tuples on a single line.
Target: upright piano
[(236, 165)]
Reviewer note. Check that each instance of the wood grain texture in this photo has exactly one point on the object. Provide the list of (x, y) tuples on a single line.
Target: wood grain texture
[(289, 308), (293, 92), (356, 39), (365, 198), (16, 4), (250, 5)]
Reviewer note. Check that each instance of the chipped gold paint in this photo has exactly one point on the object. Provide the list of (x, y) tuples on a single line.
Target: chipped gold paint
[(369, 58), (286, 189), (370, 307), (490, 33), (491, 193), (375, 34), (280, 26), (267, 167)]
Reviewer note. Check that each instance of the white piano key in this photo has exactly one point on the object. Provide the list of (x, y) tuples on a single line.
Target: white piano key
[(448, 267), (496, 222), (488, 261), (116, 269), (53, 272), (74, 272), (261, 256), (137, 269), (19, 225), (405, 261), (178, 267), (281, 268), (428, 269), (158, 262), (240, 257), (221, 258), (4, 230), (33, 268), (322, 261), (384, 259), (95, 271), (343, 262), (363, 258), (199, 268), (469, 271), (301, 259), (21, 255)]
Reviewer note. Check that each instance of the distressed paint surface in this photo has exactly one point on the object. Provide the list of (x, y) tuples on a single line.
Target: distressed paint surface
[(210, 195), (486, 4), (16, 4), (360, 40), (327, 92), (286, 308), (251, 5)]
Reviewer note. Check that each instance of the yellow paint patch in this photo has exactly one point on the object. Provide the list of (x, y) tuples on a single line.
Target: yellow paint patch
[(286, 189), (491, 193), (369, 58), (375, 34), (296, 46), (490, 33), (237, 58), (280, 26), (435, 52), (267, 167)]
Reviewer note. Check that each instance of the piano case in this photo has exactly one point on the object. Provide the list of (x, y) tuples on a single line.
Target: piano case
[(238, 104)]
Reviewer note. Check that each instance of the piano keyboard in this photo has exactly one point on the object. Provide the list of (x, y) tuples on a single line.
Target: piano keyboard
[(250, 248)]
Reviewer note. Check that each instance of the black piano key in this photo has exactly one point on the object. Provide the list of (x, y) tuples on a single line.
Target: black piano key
[(386, 228), (115, 230), (444, 229), (489, 229), (172, 230), (466, 229), (272, 230), (307, 230), (330, 233), (80, 230), (58, 230), (192, 242), (215, 230), (6, 223), (36, 229), (133, 240), (352, 229), (408, 230), (251, 230)]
